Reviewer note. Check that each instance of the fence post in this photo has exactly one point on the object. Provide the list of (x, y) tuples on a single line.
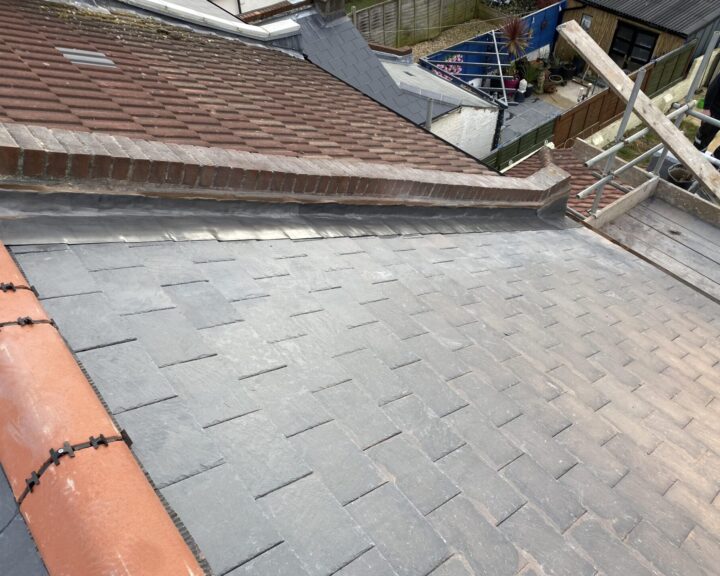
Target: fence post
[(353, 15)]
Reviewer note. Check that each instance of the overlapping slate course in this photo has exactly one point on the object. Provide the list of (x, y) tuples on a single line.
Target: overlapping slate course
[(171, 84), (531, 402)]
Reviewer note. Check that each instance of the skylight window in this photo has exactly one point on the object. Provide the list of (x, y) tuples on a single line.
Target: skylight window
[(87, 58)]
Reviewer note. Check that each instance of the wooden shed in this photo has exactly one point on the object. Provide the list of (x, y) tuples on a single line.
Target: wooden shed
[(634, 32)]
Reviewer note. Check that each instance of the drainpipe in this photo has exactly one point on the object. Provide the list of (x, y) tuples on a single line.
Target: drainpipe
[(498, 127), (83, 495)]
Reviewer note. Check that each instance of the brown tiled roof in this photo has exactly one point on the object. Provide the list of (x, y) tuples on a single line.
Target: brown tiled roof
[(174, 85), (581, 176)]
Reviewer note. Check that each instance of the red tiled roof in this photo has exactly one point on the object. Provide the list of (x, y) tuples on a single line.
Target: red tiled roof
[(174, 85), (581, 177)]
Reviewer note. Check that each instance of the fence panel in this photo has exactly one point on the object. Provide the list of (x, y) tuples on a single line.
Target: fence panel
[(398, 23)]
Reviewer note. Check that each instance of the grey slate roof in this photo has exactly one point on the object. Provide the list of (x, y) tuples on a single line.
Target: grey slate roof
[(18, 555), (338, 48), (528, 401), (677, 16)]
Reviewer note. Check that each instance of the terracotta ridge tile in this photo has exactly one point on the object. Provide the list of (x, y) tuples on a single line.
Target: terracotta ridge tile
[(94, 512)]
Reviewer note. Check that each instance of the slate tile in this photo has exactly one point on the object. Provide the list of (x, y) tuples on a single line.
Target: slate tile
[(530, 532), (317, 529), (413, 473), (544, 450), (430, 387), (8, 507), (384, 344), (584, 418), (388, 517), (340, 464), (311, 366), (481, 484), (57, 273), (609, 553), (211, 389), (533, 377), (596, 458), (556, 500), (602, 500), (498, 408), (243, 347), (125, 376), (169, 262), (431, 433), (459, 522), (87, 321), (475, 429), (18, 554), (262, 456), (444, 332), (372, 562), (397, 321), (695, 507), (231, 280), (278, 561), (455, 566), (443, 360), (377, 380), (169, 441), (660, 552), (364, 421), (291, 408), (486, 367), (107, 256), (132, 290), (202, 304), (168, 337), (670, 519), (229, 531), (703, 549), (654, 471)]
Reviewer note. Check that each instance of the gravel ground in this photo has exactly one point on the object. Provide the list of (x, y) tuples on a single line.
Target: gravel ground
[(466, 30)]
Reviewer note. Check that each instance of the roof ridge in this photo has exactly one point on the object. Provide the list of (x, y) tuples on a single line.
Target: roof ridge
[(105, 161)]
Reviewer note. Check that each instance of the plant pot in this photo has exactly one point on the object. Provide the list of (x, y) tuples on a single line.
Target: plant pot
[(555, 79), (556, 70), (511, 84), (568, 71), (680, 176)]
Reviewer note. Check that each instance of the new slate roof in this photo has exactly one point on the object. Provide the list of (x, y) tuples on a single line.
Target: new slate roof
[(677, 16), (527, 401), (175, 85), (17, 549)]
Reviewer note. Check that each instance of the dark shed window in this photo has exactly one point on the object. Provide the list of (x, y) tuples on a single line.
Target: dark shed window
[(632, 47)]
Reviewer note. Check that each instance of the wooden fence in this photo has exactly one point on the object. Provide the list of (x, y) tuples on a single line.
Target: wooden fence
[(398, 23), (605, 107)]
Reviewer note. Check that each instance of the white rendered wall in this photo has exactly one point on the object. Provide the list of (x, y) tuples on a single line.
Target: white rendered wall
[(471, 129)]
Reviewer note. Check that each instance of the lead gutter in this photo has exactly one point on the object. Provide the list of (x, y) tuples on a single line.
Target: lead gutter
[(92, 511)]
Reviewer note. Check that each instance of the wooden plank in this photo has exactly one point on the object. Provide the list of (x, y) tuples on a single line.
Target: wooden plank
[(687, 221), (678, 233), (622, 205), (622, 231), (671, 136)]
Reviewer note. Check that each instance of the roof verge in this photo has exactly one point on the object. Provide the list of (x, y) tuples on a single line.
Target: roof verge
[(84, 498)]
